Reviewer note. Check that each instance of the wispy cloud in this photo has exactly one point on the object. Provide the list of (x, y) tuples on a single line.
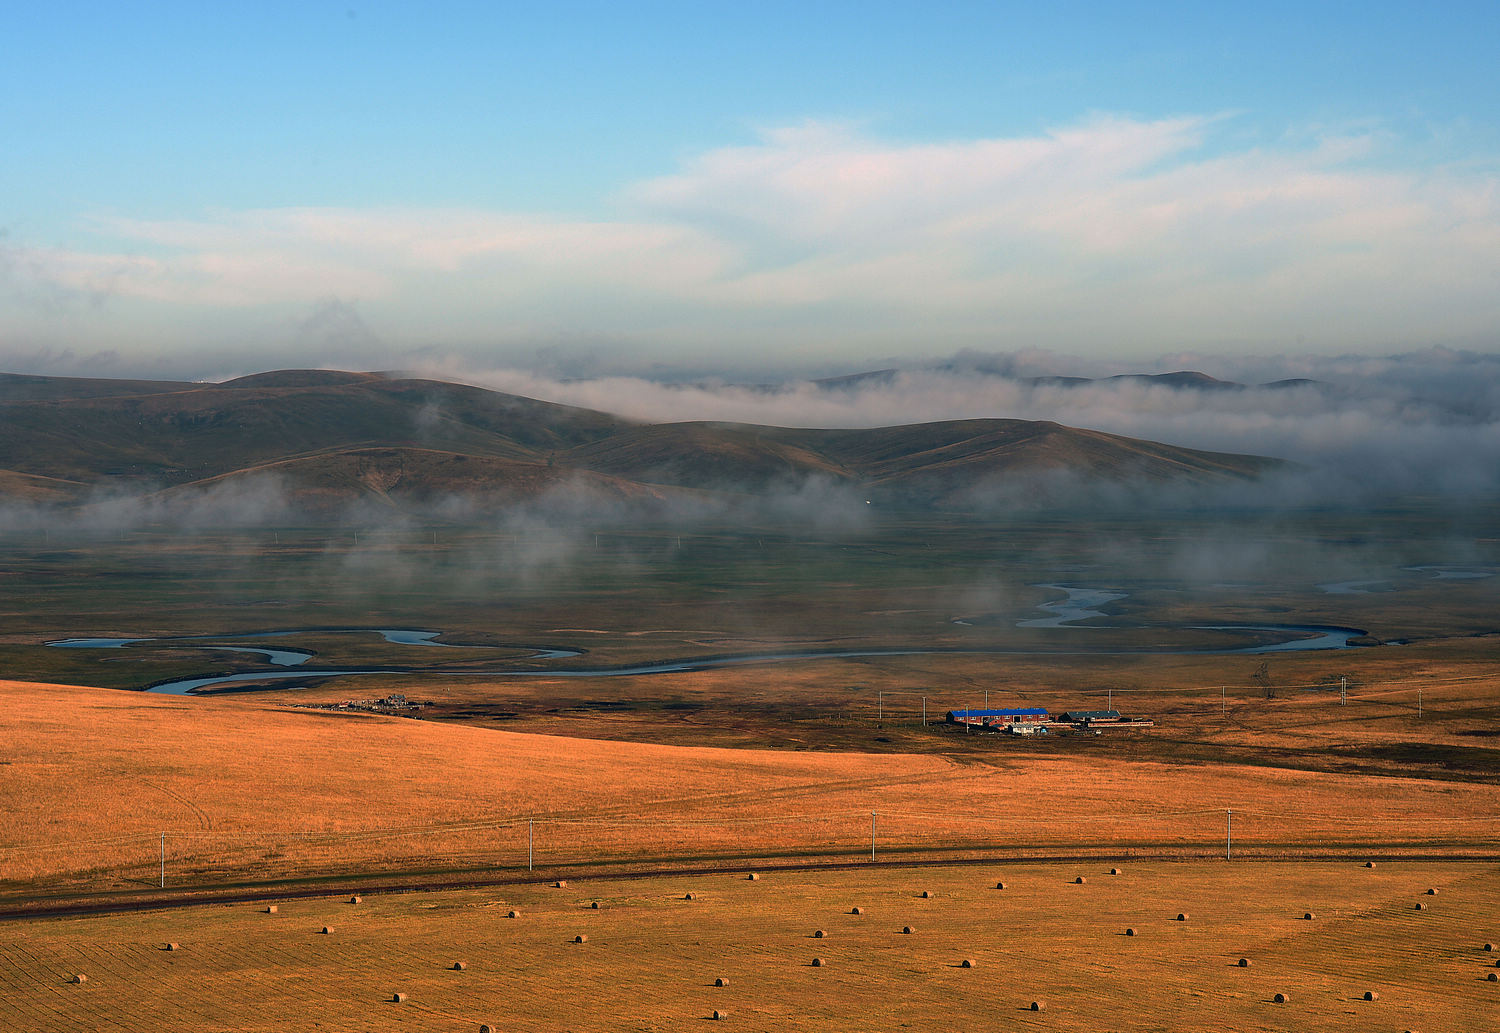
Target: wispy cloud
[(1112, 234)]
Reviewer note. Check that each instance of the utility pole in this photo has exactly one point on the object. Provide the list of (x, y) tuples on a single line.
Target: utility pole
[(530, 839), (163, 860), (986, 699), (872, 835), (1228, 833), (1419, 701), (924, 711), (1224, 700), (1343, 689), (1109, 698)]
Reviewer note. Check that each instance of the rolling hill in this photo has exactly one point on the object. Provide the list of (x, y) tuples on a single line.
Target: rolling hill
[(329, 438)]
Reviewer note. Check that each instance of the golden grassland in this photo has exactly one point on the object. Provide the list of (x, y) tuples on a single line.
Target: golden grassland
[(651, 957), (248, 790)]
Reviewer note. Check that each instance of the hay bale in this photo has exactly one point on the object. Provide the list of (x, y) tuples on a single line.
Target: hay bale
[(79, 978), (1038, 1005), (753, 877), (966, 963), (1182, 916), (1281, 998), (690, 896), (1369, 864), (818, 934), (1308, 917), (1492, 977), (513, 914), (926, 895), (856, 911), (999, 885), (1079, 881), (908, 929), (1371, 995), (485, 1028), (594, 906), (560, 884), (1489, 946), (720, 1014), (1420, 906), (327, 929), (173, 947), (721, 981), (459, 966), (580, 938), (1129, 932), (817, 962), (1244, 963), (398, 998), (270, 909), (1431, 892), (1114, 871), (356, 899)]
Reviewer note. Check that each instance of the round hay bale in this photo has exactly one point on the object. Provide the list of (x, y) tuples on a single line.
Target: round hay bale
[(173, 947), (817, 962), (513, 914), (1244, 963), (818, 934), (560, 884), (908, 929), (753, 877), (1431, 892), (856, 911), (1497, 964), (594, 906), (1079, 881), (1182, 916), (270, 909), (1114, 871), (1038, 1005), (720, 1014), (1420, 906), (999, 885), (1492, 977), (926, 895), (459, 966), (721, 981), (79, 978), (966, 963), (485, 1028), (580, 938), (1489, 946), (1369, 864), (1129, 932), (1281, 998), (1308, 917), (398, 998), (690, 896), (327, 929), (356, 899), (1371, 995)]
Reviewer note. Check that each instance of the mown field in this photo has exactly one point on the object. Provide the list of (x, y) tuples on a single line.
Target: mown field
[(651, 957)]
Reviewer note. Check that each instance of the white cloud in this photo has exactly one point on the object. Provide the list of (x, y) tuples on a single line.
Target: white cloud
[(1113, 234)]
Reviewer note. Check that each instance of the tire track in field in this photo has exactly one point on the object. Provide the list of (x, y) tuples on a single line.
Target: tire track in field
[(204, 821)]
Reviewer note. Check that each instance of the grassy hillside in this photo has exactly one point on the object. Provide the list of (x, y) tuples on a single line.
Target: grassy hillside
[(147, 436)]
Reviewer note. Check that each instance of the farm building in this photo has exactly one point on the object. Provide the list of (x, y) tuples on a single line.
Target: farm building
[(1090, 717), (1013, 718)]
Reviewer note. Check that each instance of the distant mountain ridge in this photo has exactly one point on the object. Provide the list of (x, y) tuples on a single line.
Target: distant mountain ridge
[(332, 437)]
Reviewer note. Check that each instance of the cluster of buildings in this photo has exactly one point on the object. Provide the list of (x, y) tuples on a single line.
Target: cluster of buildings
[(395, 703), (1036, 720)]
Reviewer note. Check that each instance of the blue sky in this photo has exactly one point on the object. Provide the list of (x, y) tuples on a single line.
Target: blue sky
[(188, 185)]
